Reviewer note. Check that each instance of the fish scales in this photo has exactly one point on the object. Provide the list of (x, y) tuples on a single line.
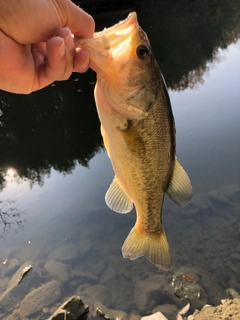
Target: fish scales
[(152, 141), (138, 130)]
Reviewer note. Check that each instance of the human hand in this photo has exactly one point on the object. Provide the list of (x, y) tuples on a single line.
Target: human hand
[(36, 44)]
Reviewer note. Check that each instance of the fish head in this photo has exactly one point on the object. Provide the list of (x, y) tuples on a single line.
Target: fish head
[(126, 69)]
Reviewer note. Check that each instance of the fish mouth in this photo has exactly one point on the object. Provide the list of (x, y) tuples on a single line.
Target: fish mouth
[(110, 42), (119, 32)]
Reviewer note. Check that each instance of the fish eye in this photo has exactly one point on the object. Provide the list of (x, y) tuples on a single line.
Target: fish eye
[(142, 51)]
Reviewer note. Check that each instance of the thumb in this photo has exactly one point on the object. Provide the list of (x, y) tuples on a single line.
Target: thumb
[(76, 19)]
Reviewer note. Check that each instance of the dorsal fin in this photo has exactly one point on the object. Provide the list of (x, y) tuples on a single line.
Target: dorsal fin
[(180, 188)]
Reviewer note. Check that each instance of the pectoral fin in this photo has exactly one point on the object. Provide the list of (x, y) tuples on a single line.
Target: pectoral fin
[(180, 188), (116, 198)]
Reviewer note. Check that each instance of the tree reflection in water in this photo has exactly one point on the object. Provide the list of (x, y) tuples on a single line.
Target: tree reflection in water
[(10, 218), (58, 126)]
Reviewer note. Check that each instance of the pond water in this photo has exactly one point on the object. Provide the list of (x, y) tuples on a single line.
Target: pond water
[(54, 173)]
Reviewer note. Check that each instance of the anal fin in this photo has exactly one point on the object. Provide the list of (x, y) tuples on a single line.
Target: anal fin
[(117, 199)]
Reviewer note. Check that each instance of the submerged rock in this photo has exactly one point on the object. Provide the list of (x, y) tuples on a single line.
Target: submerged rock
[(72, 309), (60, 270), (43, 296), (233, 293), (10, 267), (95, 293), (16, 291), (121, 298), (69, 252), (156, 316), (218, 202), (169, 310), (232, 191), (150, 292), (24, 272), (108, 314), (235, 257), (85, 277), (185, 286)]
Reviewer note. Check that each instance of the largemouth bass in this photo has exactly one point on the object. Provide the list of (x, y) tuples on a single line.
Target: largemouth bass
[(138, 130)]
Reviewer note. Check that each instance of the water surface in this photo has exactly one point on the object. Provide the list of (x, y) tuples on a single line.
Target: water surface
[(60, 171)]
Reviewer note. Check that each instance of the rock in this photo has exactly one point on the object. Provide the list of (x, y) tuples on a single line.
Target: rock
[(74, 308), (85, 277), (98, 268), (235, 257), (229, 309), (169, 310), (232, 191), (61, 271), (65, 253), (69, 251), (111, 314), (149, 292), (4, 285), (220, 273), (185, 286), (45, 310), (155, 316), (234, 284), (182, 314), (24, 272), (218, 202), (11, 317), (233, 293), (232, 268), (121, 292), (95, 293), (11, 266), (134, 317), (191, 211), (108, 275), (16, 291), (43, 296)]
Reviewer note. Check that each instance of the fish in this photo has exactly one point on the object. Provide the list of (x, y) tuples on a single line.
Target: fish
[(138, 130)]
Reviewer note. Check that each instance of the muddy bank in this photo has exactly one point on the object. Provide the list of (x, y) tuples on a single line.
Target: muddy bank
[(228, 309)]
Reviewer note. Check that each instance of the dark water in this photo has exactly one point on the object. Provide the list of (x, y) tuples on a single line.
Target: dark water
[(52, 202)]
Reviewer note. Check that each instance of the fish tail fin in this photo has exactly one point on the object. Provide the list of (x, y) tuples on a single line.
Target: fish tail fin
[(154, 247)]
